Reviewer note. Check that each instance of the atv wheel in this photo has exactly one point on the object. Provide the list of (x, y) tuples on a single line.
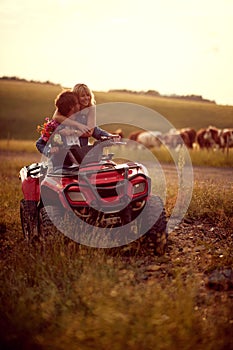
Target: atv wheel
[(155, 218), (46, 225), (29, 219)]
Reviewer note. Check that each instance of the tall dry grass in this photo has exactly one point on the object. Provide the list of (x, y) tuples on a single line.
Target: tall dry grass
[(60, 295), (198, 157), (60, 300)]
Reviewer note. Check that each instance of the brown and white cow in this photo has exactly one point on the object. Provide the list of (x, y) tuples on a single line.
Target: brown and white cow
[(149, 139), (208, 138), (146, 138), (174, 139), (189, 136), (226, 139), (134, 135)]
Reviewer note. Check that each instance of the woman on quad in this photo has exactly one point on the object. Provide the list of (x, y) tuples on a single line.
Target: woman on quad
[(86, 119), (67, 104)]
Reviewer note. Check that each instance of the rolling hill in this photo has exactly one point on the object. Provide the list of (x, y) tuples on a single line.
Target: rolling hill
[(24, 105)]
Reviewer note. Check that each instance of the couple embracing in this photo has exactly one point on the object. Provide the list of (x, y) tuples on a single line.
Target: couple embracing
[(73, 122)]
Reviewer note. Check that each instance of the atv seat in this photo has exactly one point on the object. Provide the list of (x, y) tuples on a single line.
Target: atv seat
[(64, 171)]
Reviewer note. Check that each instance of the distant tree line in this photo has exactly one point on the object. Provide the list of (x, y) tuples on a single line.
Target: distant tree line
[(192, 97), (14, 78)]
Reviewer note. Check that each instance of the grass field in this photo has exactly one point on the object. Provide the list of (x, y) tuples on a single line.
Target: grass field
[(60, 295), (198, 157), (25, 104)]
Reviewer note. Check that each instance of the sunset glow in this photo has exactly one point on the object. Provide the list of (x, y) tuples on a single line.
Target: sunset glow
[(171, 46)]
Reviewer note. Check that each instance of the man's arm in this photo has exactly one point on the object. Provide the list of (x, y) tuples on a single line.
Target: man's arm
[(98, 133), (41, 146), (70, 121)]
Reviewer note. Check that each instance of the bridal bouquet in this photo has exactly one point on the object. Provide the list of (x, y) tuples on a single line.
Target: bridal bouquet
[(47, 129)]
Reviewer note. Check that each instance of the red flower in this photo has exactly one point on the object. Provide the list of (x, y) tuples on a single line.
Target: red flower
[(47, 128)]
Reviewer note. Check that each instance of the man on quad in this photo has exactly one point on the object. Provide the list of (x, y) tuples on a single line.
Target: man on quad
[(67, 104)]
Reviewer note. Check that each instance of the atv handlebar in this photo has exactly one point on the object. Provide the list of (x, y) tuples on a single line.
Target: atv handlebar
[(109, 141)]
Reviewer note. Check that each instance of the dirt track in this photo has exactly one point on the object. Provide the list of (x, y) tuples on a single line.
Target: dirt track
[(199, 245), (201, 173)]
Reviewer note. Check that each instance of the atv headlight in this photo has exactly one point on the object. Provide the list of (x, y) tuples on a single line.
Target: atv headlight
[(76, 196), (139, 187), (133, 171)]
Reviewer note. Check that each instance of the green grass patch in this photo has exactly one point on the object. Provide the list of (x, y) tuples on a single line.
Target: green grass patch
[(24, 105), (179, 112)]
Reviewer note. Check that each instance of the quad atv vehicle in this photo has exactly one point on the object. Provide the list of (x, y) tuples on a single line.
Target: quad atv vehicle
[(100, 193)]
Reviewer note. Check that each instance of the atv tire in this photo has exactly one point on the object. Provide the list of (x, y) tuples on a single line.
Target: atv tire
[(154, 217), (47, 226), (29, 219)]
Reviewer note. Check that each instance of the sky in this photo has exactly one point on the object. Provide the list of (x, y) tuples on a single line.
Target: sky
[(178, 47)]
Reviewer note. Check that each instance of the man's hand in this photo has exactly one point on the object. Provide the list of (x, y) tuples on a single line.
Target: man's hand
[(85, 130), (87, 134), (66, 132)]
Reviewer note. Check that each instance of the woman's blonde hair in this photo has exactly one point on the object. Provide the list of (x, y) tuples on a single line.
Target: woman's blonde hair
[(83, 88)]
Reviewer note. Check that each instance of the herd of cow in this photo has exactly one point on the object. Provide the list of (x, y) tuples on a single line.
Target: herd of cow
[(205, 138)]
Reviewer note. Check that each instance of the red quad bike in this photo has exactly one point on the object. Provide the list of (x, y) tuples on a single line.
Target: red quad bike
[(99, 192)]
